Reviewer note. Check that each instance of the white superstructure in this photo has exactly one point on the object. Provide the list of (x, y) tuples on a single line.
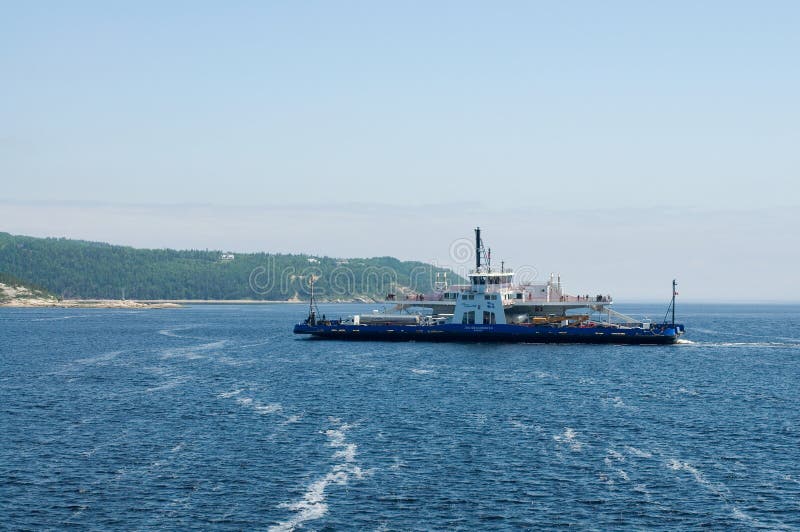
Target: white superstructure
[(491, 297)]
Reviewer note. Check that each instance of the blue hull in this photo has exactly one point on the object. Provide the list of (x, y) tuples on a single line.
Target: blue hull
[(494, 333)]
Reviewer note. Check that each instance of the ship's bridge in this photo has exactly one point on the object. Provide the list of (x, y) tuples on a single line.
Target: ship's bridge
[(482, 281)]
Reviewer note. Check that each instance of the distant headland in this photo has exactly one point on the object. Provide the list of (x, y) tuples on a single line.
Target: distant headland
[(69, 273)]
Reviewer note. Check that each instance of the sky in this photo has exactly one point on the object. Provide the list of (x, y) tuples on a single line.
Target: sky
[(621, 143)]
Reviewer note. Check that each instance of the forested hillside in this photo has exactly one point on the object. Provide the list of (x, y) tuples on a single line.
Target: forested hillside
[(80, 269)]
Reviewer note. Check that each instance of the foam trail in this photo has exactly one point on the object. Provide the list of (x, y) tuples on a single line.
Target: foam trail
[(79, 510), (268, 409), (295, 418), (568, 438), (614, 455), (677, 465), (718, 489), (245, 346), (258, 406), (638, 452), (312, 506), (617, 402), (103, 357), (192, 352), (747, 345), (518, 424), (740, 515), (172, 332), (59, 318), (228, 361), (177, 381)]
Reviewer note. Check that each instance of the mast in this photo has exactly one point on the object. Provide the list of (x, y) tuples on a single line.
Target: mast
[(477, 249), (674, 293), (312, 319)]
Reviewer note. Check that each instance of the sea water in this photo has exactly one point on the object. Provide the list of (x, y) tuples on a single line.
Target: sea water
[(218, 417)]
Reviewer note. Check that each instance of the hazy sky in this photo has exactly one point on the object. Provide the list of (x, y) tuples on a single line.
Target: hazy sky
[(623, 143)]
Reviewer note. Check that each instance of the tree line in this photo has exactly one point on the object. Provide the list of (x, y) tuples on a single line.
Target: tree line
[(77, 269)]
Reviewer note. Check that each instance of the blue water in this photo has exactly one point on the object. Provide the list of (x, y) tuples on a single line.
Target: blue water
[(217, 417)]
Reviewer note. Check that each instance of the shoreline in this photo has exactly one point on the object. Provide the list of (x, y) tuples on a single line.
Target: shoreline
[(248, 301), (85, 303), (149, 303)]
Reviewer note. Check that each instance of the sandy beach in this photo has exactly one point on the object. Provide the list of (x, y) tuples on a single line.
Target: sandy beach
[(21, 296)]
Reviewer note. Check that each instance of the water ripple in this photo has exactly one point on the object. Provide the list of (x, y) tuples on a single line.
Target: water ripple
[(218, 418)]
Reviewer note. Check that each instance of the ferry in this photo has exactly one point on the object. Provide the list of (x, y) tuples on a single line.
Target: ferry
[(491, 308)]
